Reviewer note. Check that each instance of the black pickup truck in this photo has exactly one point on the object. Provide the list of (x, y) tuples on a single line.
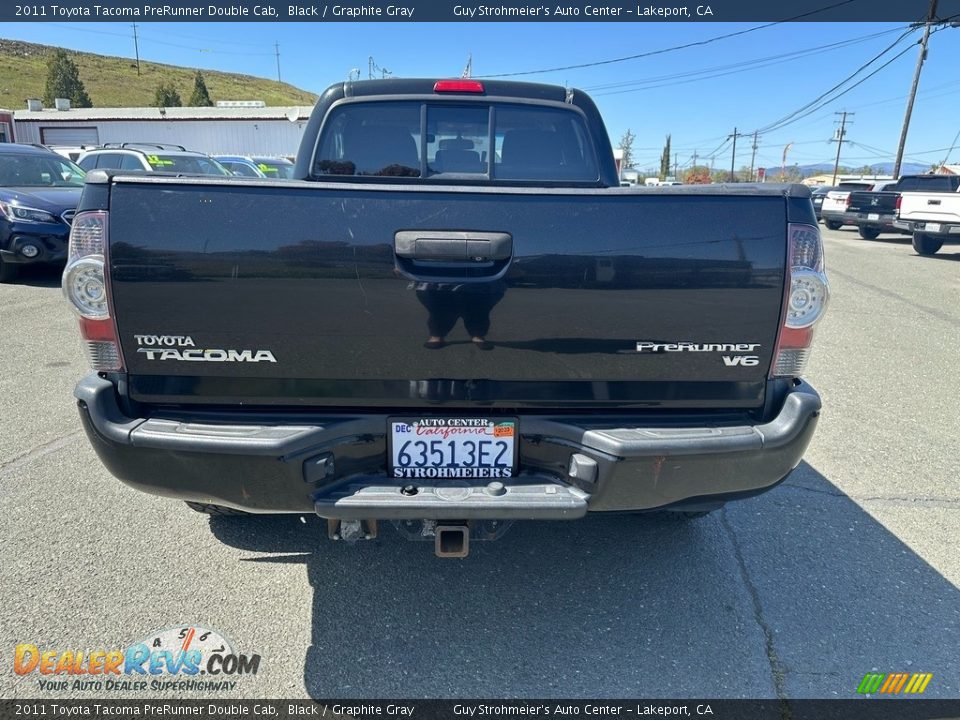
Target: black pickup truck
[(876, 211), (453, 318)]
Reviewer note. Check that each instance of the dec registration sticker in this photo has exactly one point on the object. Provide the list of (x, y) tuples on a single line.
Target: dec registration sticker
[(453, 448)]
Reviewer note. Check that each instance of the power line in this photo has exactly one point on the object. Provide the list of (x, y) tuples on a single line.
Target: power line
[(950, 151), (698, 43), (783, 121), (75, 28), (719, 147), (951, 84), (710, 73), (828, 101), (245, 53), (209, 40), (886, 153), (812, 106)]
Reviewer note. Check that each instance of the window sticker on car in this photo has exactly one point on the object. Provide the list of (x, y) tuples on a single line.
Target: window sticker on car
[(157, 161)]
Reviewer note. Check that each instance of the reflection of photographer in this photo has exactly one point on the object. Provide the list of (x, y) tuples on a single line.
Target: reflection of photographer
[(448, 302)]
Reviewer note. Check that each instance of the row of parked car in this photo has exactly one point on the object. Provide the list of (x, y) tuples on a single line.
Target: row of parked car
[(40, 189), (164, 157), (926, 207)]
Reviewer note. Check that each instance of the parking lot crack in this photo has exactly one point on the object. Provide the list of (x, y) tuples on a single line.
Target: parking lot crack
[(815, 490), (949, 503), (777, 670), (38, 451)]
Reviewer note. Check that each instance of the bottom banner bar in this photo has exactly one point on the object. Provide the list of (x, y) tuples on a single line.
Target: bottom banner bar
[(855, 709)]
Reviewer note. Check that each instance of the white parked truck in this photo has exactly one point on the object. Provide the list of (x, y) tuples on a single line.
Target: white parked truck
[(932, 217)]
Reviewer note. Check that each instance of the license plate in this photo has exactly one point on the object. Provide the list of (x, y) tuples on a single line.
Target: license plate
[(424, 448), (873, 216), (932, 227)]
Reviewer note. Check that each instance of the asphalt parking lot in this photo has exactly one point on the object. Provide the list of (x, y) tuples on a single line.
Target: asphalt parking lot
[(849, 567)]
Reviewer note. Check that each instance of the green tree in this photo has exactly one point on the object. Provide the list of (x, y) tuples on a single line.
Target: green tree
[(63, 81), (665, 160), (167, 96), (200, 96), (626, 145)]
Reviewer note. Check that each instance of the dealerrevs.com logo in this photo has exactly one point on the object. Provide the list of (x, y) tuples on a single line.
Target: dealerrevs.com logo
[(185, 657)]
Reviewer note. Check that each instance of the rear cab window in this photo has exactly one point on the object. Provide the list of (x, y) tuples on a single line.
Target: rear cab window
[(929, 183), (476, 142)]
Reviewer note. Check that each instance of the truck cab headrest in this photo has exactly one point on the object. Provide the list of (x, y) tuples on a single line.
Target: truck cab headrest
[(373, 148)]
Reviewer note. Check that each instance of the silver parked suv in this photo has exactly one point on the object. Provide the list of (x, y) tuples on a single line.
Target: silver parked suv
[(155, 157)]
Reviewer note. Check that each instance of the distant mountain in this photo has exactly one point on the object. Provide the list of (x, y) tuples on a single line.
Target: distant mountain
[(905, 168), (885, 168)]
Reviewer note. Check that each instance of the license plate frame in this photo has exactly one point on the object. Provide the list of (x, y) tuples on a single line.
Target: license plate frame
[(873, 216), (452, 464), (932, 227)]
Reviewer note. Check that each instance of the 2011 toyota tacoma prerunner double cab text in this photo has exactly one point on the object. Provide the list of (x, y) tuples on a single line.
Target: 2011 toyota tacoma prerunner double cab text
[(453, 319)]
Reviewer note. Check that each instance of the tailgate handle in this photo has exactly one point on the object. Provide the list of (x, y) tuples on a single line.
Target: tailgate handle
[(933, 202), (453, 245)]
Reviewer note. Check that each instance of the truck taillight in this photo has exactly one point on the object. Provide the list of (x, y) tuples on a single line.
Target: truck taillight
[(849, 199), (807, 293), (896, 205), (86, 285)]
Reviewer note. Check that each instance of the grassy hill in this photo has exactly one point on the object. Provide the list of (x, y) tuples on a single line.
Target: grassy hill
[(113, 82)]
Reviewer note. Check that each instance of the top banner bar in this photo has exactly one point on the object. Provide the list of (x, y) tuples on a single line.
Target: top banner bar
[(476, 11)]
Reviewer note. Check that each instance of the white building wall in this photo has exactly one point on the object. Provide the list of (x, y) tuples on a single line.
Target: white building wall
[(214, 137)]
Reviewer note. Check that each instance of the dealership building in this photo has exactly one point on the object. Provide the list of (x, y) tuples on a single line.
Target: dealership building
[(240, 128)]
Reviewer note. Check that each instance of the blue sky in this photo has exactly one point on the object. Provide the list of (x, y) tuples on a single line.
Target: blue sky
[(698, 95)]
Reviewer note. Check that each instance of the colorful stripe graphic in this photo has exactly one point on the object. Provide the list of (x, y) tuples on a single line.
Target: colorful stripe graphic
[(894, 683)]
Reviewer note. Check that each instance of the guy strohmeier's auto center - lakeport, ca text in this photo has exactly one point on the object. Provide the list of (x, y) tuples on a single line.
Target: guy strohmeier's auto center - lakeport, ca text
[(320, 12)]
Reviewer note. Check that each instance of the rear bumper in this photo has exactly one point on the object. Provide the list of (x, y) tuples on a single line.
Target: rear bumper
[(943, 230), (845, 218), (881, 221), (335, 465)]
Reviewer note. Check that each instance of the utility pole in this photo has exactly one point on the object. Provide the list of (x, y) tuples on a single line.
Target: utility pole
[(694, 160), (753, 155), (136, 48), (913, 89), (839, 139), (733, 155), (676, 167), (276, 47)]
